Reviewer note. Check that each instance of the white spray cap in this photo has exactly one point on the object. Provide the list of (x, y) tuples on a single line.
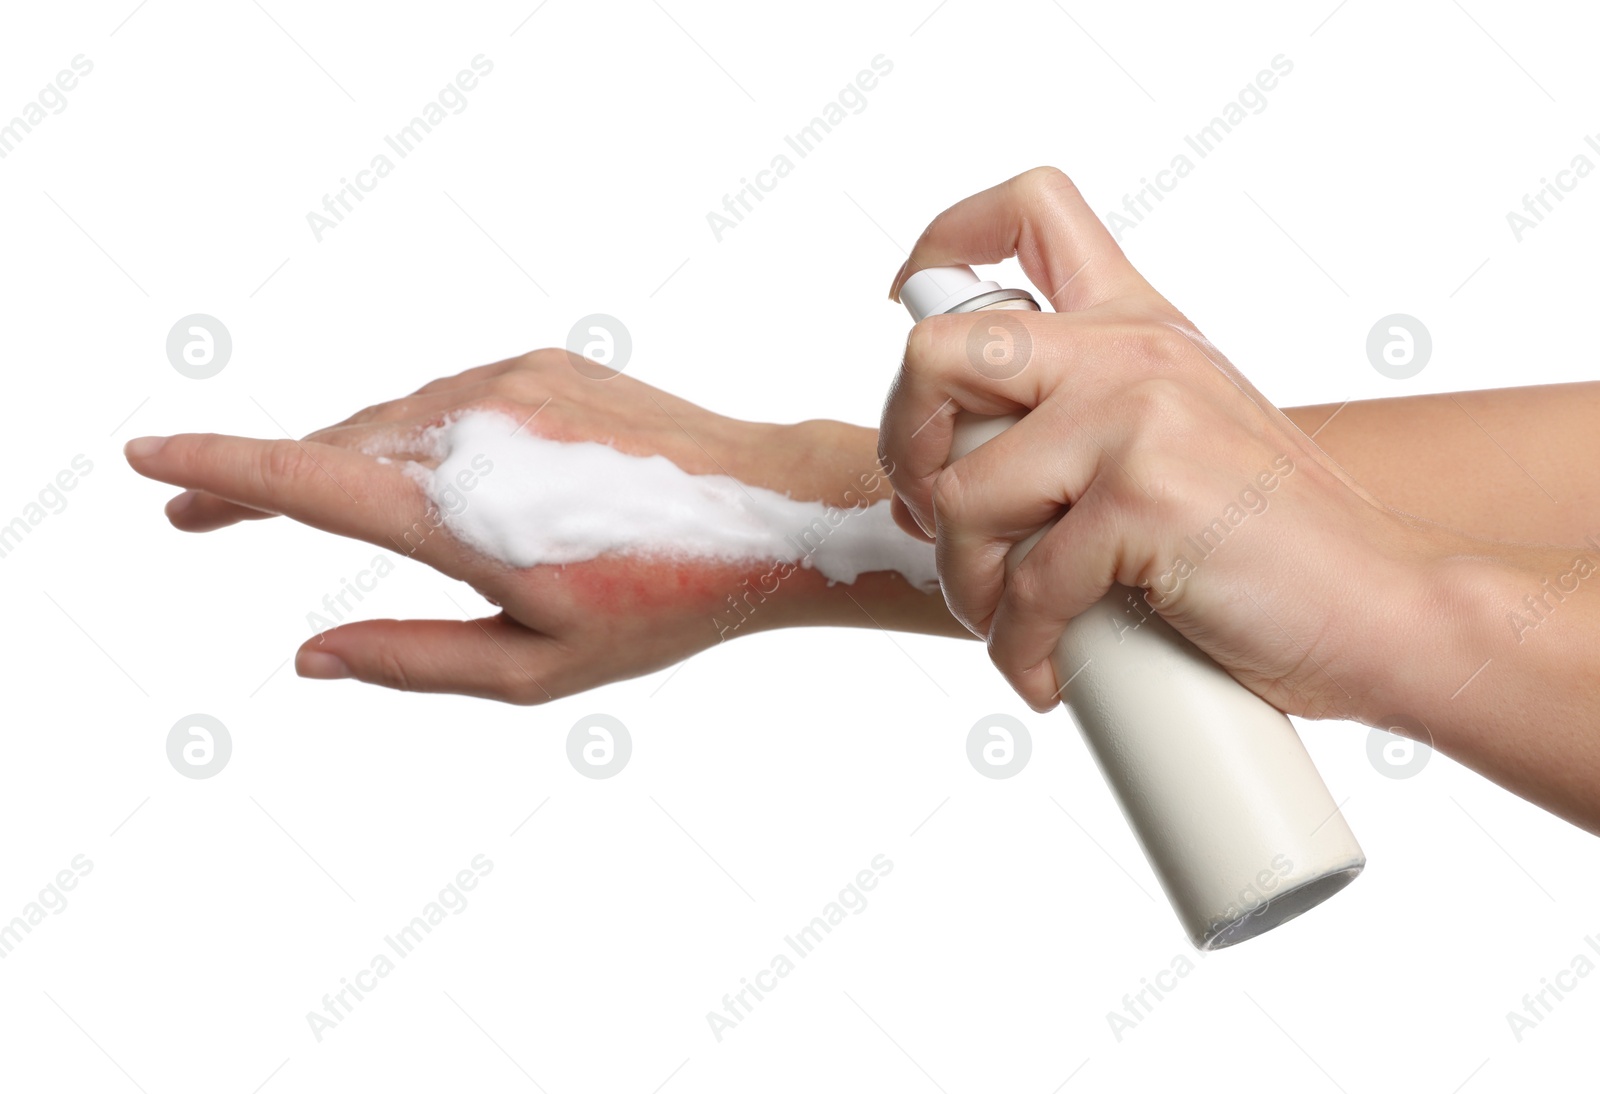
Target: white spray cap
[(939, 289)]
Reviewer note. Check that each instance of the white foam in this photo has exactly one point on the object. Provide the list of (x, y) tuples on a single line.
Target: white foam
[(532, 501)]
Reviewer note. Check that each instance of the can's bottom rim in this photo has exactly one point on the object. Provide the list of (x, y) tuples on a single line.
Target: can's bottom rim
[(1279, 909)]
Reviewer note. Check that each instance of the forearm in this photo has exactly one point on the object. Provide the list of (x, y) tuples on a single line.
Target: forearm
[(1509, 684), (1514, 465)]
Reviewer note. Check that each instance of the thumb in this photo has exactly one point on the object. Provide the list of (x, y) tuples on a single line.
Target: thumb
[(1040, 217), (495, 658)]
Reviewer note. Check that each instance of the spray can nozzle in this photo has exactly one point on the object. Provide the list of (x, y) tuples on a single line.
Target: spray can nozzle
[(941, 289)]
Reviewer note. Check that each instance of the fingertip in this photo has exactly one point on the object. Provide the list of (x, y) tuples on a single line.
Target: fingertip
[(1038, 687), (908, 521), (198, 511), (142, 448), (899, 278), (177, 506), (320, 665)]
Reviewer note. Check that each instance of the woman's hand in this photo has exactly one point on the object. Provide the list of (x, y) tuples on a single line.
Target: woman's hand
[(1176, 474), (562, 629)]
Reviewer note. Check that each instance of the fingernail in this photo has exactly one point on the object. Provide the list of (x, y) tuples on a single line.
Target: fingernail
[(181, 502), (143, 447), (316, 665)]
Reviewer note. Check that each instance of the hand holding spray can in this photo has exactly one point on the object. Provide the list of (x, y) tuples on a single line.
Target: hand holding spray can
[(1235, 820)]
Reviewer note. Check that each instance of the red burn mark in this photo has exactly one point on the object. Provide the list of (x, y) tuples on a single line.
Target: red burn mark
[(650, 583)]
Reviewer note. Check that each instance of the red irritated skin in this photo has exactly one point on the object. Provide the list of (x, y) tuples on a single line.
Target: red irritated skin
[(660, 611), (561, 629)]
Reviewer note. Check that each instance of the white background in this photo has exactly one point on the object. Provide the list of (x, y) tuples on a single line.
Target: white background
[(767, 773)]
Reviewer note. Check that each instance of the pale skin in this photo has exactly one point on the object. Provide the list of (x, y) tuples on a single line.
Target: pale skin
[(1379, 584)]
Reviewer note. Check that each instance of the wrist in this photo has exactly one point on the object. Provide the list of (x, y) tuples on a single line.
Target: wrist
[(1459, 616), (836, 464), (832, 462)]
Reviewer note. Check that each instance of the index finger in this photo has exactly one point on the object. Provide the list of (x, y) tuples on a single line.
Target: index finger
[(1040, 217), (325, 486)]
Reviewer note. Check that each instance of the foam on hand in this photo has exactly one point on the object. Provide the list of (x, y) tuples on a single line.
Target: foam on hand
[(534, 501)]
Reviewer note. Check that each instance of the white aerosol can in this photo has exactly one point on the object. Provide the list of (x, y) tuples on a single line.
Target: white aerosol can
[(1236, 822)]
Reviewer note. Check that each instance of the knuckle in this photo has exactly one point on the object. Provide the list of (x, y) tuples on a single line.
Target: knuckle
[(1026, 593), (949, 494), (391, 669), (1162, 489), (1046, 184), (926, 345), (190, 453), (282, 463), (1168, 343), (544, 359), (1151, 346), (1165, 418), (920, 345), (518, 384), (1155, 399)]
